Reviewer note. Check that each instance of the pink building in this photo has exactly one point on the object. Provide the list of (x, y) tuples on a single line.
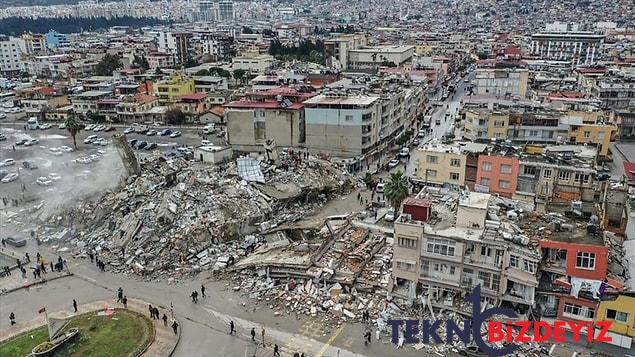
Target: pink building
[(497, 174)]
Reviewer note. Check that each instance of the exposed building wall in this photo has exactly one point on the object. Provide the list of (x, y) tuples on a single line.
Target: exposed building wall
[(499, 174)]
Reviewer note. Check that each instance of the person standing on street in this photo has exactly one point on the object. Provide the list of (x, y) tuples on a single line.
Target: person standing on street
[(194, 296), (175, 326), (202, 290), (276, 351), (12, 318), (151, 309), (231, 327), (253, 334), (262, 332), (125, 302), (75, 305), (119, 294), (165, 319)]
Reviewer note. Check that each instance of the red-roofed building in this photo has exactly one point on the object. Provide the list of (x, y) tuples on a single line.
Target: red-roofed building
[(274, 114), (629, 172), (194, 103)]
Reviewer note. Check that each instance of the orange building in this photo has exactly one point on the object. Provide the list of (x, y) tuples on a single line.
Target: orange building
[(497, 174)]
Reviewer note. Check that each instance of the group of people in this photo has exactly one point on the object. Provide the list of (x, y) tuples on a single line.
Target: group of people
[(99, 263), (194, 294)]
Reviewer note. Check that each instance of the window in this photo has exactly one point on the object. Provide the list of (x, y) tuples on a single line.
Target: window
[(499, 123), (441, 246), (406, 242), (564, 175), (514, 261), (529, 170), (431, 173), (579, 178), (506, 169), (486, 251), (259, 130), (489, 280), (600, 135), (616, 315), (431, 159), (487, 166), (407, 266), (454, 176), (503, 184), (587, 134), (455, 162), (546, 173), (348, 118), (484, 181), (533, 132), (585, 260), (578, 311), (529, 266)]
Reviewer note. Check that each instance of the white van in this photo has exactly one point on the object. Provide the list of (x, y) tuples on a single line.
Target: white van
[(209, 129), (32, 123)]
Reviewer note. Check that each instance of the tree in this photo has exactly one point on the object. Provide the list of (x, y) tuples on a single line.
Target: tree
[(141, 62), (73, 126), (396, 190), (175, 117), (107, 65), (239, 74), (217, 71)]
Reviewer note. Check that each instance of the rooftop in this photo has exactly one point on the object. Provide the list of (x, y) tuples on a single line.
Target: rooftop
[(475, 200), (263, 104), (385, 49), (352, 100)]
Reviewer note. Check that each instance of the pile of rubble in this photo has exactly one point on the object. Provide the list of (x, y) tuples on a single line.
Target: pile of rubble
[(180, 217)]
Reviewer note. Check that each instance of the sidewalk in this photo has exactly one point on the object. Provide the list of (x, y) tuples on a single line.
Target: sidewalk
[(165, 341)]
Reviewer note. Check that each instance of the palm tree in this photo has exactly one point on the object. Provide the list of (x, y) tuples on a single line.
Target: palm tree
[(73, 126), (396, 190)]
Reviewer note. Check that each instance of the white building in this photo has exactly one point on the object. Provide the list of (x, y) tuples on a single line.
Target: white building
[(579, 47), (11, 51)]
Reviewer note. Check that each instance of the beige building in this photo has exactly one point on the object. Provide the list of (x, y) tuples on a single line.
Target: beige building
[(435, 257), (485, 124), (253, 64), (440, 164), (336, 49), (500, 78), (371, 58)]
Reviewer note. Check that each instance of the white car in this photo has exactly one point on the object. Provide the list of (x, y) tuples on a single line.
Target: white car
[(62, 126), (128, 131), (66, 148), (45, 126), (90, 127), (404, 152), (90, 139), (55, 151), (7, 162), (390, 216), (175, 134), (10, 177), (2, 115), (31, 142), (393, 163), (379, 188), (43, 181), (206, 142), (54, 177)]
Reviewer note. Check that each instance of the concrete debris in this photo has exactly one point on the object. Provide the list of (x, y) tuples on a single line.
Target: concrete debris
[(179, 217)]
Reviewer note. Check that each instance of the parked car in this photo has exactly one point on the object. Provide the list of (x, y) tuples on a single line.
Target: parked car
[(62, 126), (45, 126), (89, 139), (65, 148), (206, 142), (110, 128), (141, 145), (380, 187), (133, 142), (3, 173), (16, 242), (151, 132), (166, 132), (175, 134), (404, 152), (21, 141), (10, 177), (128, 131), (90, 127), (54, 177), (29, 165), (151, 146), (31, 142), (7, 162), (220, 134), (55, 152), (393, 163), (3, 116), (43, 181), (390, 216), (2, 137)]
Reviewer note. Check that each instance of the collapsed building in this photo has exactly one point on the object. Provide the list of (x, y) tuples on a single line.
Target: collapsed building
[(181, 217)]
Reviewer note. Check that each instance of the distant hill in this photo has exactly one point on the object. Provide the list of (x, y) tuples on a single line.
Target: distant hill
[(17, 25)]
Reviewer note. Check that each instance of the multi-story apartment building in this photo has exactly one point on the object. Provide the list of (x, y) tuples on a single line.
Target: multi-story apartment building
[(135, 108), (160, 60), (600, 135), (88, 101), (578, 47), (177, 44), (35, 44), (501, 78), (625, 121), (537, 127), (441, 165), (483, 124), (276, 115), (336, 49), (11, 51), (497, 174), (369, 59), (253, 64), (171, 89), (617, 93), (458, 249)]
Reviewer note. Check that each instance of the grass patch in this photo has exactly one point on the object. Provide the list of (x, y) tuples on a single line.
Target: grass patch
[(126, 333)]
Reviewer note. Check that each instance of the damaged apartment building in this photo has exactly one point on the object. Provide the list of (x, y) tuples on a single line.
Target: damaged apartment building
[(439, 256), (356, 119)]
